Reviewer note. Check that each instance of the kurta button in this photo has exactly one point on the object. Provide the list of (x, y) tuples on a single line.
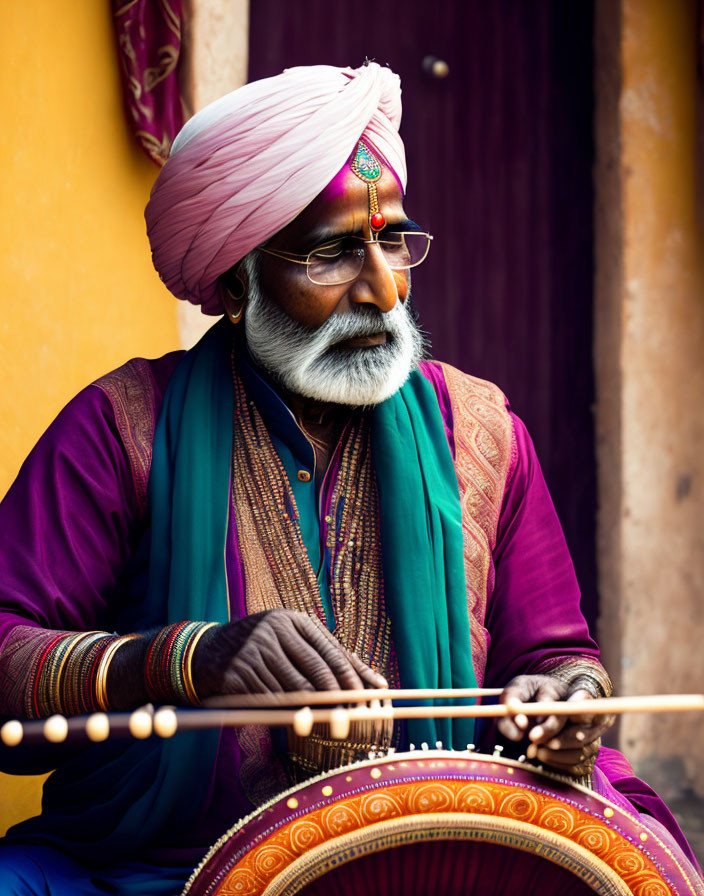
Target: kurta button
[(304, 475)]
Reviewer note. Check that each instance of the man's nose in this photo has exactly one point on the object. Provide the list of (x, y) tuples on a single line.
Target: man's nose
[(375, 284)]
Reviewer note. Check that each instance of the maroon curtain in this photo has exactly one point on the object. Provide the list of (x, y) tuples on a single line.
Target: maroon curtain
[(500, 157), (148, 34)]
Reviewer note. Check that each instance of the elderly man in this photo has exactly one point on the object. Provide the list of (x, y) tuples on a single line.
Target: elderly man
[(301, 501)]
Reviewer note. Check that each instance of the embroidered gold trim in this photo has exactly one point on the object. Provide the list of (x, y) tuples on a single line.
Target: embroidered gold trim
[(584, 670), (484, 445), (278, 572), (130, 389)]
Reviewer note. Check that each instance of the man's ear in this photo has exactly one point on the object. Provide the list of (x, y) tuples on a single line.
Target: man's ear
[(235, 280), (233, 291)]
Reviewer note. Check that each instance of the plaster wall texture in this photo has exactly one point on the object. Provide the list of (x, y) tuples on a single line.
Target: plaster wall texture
[(215, 58), (81, 295), (650, 373)]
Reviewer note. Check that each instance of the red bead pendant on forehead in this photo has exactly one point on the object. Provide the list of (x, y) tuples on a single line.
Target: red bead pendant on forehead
[(377, 221)]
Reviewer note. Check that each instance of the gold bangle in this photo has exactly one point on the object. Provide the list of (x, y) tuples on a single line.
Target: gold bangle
[(54, 703), (61, 703), (102, 673), (187, 672)]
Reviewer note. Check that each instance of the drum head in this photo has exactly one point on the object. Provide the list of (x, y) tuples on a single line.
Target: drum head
[(450, 868)]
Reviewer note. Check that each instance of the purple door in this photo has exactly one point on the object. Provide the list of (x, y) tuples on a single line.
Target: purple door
[(499, 158)]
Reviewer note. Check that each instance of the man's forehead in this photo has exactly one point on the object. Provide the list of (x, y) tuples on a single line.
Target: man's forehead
[(343, 207)]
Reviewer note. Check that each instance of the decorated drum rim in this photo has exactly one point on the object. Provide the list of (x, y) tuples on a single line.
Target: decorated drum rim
[(516, 785)]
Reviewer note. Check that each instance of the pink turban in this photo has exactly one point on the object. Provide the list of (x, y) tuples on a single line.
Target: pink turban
[(249, 163)]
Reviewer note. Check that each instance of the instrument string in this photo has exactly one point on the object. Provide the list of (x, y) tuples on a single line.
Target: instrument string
[(274, 710)]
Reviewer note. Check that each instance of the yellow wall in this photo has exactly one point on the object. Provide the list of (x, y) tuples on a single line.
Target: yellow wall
[(79, 293)]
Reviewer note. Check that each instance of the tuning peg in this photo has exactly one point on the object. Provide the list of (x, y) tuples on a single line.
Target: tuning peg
[(140, 724), (165, 722), (98, 727), (339, 724), (303, 722), (11, 733), (470, 748), (438, 745), (498, 750), (56, 729)]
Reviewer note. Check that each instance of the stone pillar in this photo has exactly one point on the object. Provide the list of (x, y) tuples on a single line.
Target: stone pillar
[(215, 55), (649, 361)]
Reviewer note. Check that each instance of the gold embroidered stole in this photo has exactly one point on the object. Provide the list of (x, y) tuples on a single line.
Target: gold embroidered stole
[(277, 568), (130, 389), (278, 574), (484, 448)]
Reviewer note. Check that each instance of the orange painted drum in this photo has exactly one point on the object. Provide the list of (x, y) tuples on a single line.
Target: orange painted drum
[(439, 822)]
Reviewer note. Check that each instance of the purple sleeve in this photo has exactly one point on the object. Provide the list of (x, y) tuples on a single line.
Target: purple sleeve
[(615, 779), (68, 523), (533, 614), (533, 617)]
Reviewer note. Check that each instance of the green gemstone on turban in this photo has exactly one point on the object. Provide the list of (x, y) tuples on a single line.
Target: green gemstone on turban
[(365, 164)]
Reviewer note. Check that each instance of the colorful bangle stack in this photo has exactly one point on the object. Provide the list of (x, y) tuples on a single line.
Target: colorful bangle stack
[(101, 678), (168, 663), (69, 673)]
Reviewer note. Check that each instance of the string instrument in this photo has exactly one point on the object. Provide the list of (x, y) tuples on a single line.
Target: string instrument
[(422, 822), (433, 822)]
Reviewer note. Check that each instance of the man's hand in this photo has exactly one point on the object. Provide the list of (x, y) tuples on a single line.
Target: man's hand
[(274, 651), (567, 743)]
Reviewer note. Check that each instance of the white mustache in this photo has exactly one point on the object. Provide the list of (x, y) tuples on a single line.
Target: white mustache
[(357, 325)]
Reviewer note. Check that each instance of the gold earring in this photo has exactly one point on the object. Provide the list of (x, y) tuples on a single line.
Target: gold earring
[(236, 318)]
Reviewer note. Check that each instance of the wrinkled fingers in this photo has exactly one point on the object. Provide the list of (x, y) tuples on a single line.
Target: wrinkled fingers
[(574, 762), (547, 729), (351, 673), (309, 662)]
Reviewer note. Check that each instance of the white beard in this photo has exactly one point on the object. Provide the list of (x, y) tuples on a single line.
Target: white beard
[(309, 363)]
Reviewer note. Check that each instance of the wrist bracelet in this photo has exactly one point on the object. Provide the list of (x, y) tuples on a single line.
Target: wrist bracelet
[(101, 676), (586, 671), (168, 664)]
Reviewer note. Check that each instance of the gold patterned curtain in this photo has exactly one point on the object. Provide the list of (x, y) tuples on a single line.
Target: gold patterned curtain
[(148, 34)]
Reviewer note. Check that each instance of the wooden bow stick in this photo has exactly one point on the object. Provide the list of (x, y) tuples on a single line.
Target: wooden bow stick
[(165, 722), (363, 695)]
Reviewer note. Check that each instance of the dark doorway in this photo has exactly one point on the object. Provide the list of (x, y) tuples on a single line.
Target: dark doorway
[(500, 171)]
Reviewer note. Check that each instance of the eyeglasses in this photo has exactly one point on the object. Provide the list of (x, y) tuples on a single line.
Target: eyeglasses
[(341, 261)]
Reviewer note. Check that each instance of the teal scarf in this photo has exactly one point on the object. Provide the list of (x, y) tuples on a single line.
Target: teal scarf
[(422, 553), (189, 499), (189, 488)]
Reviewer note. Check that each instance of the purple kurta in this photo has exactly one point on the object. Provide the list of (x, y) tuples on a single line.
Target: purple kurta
[(75, 517)]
